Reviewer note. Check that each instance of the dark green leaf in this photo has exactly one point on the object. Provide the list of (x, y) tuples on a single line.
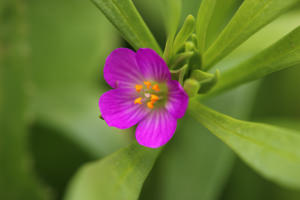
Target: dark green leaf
[(17, 180), (125, 17), (251, 16), (67, 72), (272, 151), (118, 176)]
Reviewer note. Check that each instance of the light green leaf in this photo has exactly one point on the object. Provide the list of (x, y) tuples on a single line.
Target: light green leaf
[(272, 151), (17, 180), (184, 33), (284, 53), (118, 176), (171, 10), (124, 16), (251, 16), (203, 19), (179, 74), (210, 83), (223, 12)]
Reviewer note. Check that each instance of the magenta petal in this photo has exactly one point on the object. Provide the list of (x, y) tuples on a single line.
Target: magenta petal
[(156, 129), (177, 99), (121, 69), (152, 65), (118, 109)]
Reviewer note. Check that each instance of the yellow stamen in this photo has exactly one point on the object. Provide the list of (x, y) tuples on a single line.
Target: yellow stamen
[(150, 105), (154, 98), (138, 100), (147, 83), (156, 88), (138, 87)]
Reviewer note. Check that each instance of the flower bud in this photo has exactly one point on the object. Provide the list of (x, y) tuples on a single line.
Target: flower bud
[(191, 87)]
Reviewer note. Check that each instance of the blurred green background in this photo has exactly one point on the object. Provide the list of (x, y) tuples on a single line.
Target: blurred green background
[(52, 54)]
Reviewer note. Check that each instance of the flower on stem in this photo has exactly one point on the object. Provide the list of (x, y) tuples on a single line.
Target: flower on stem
[(144, 94)]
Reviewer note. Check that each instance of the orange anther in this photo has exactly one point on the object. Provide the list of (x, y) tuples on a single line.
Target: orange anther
[(156, 88), (138, 100), (154, 98), (138, 88), (147, 83), (150, 105)]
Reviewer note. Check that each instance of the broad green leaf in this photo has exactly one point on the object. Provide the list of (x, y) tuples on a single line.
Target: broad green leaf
[(223, 12), (118, 176), (17, 180), (244, 177), (124, 16), (251, 16), (283, 54), (67, 70), (272, 151), (203, 19)]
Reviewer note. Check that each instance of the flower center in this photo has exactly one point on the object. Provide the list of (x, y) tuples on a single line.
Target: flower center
[(150, 93)]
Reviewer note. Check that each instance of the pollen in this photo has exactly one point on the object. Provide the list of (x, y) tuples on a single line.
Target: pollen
[(156, 88), (138, 100), (150, 105), (148, 84), (154, 98), (138, 88)]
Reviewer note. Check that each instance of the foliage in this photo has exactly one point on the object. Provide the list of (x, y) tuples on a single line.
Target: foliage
[(50, 53)]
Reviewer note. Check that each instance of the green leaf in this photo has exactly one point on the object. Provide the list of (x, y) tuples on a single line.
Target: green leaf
[(204, 16), (196, 157), (210, 83), (67, 70), (171, 10), (172, 13), (223, 12), (194, 165), (17, 180), (118, 176), (125, 17), (251, 16), (184, 33), (179, 74), (272, 151), (283, 54)]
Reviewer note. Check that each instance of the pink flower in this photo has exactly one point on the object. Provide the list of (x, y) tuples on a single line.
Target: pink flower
[(144, 94)]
